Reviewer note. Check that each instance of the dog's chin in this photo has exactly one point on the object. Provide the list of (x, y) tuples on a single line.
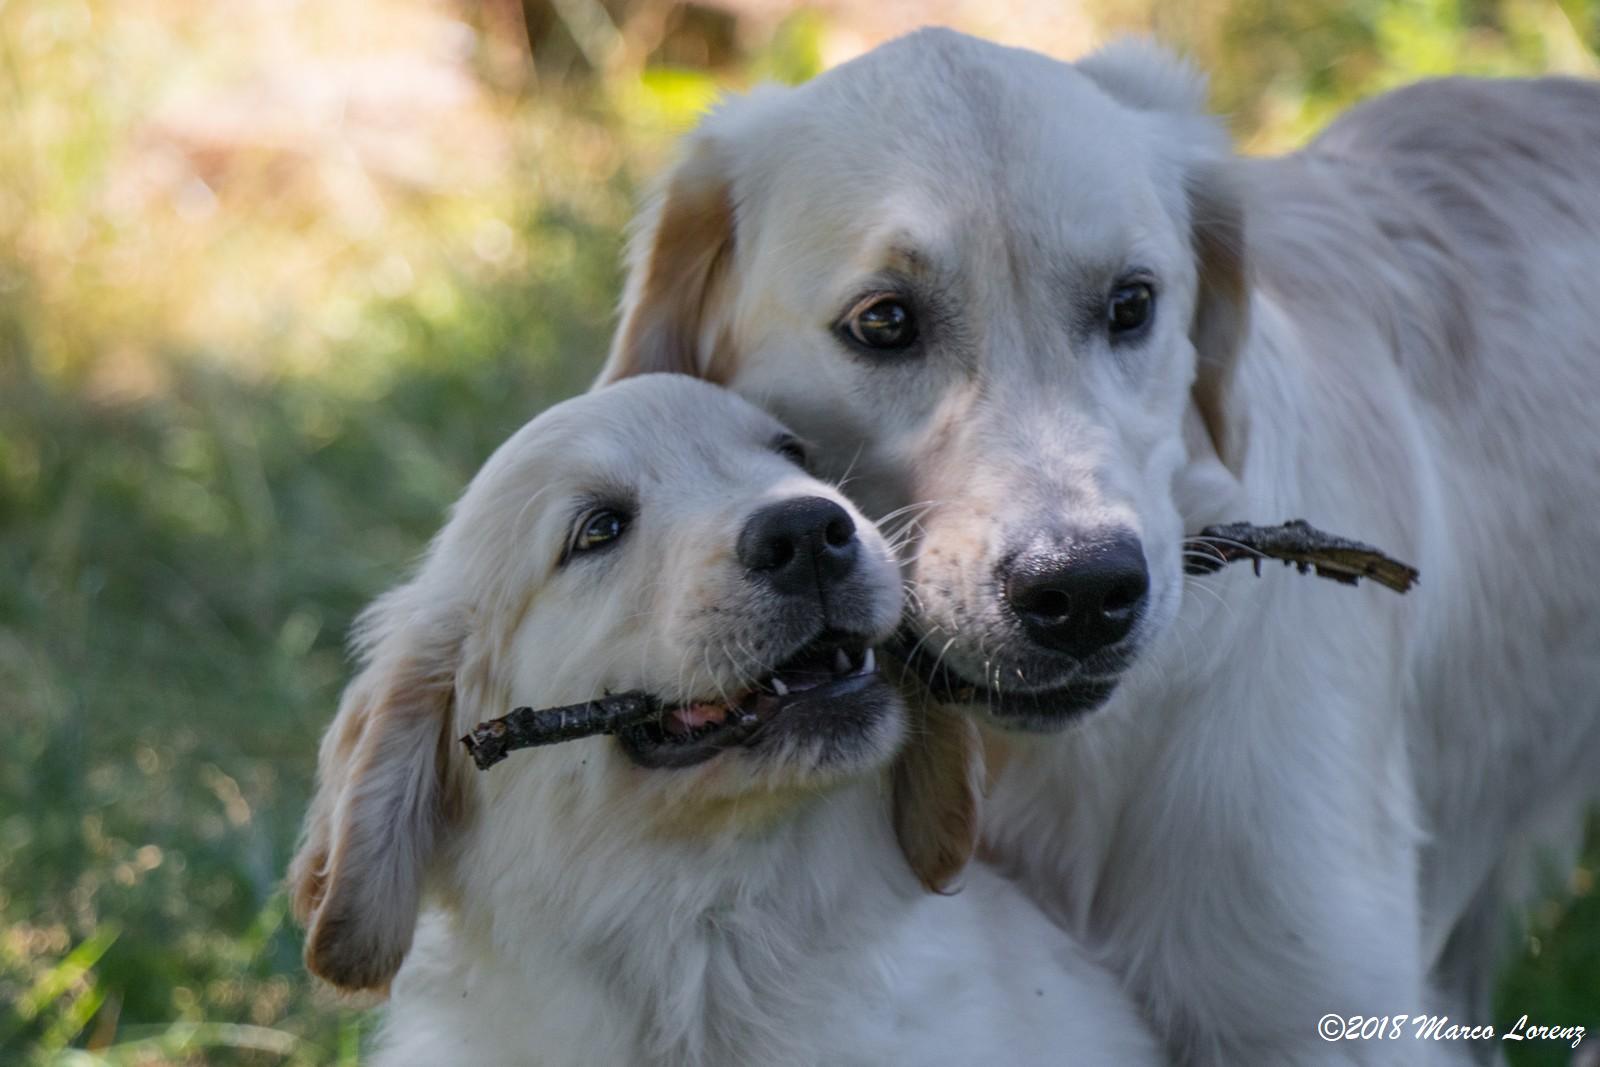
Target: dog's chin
[(1041, 711), (824, 709), (1032, 709), (854, 727)]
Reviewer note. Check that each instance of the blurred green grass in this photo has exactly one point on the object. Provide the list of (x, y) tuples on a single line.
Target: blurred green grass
[(245, 364), (184, 569)]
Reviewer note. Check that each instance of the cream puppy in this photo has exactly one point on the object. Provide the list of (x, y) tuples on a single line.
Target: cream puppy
[(722, 886)]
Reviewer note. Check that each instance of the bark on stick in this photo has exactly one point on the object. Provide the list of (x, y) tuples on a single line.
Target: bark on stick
[(489, 742), (1296, 543)]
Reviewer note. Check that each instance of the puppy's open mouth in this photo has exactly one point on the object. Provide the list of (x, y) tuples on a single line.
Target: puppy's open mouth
[(831, 669)]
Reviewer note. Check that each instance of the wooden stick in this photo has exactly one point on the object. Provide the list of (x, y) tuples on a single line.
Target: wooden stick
[(1295, 542), (489, 742)]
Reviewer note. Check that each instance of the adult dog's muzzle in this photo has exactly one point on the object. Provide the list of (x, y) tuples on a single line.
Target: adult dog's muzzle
[(1079, 598), (1063, 629)]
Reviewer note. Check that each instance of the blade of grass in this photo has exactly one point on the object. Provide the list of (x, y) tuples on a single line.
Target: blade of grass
[(178, 1039), (51, 985), (71, 1021), (350, 1041)]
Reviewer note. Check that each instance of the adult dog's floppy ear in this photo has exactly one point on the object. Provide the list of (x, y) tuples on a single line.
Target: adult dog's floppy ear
[(384, 789), (937, 793), (677, 304), (678, 263), (1147, 77), (1222, 302)]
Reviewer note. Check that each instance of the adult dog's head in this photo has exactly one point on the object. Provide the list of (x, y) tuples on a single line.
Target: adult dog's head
[(662, 536), (1002, 293)]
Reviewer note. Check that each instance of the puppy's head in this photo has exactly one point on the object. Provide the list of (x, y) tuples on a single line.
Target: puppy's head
[(662, 536), (1003, 291)]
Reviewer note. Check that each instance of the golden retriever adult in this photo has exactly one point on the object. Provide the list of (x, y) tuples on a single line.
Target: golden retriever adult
[(723, 886), (1045, 307)]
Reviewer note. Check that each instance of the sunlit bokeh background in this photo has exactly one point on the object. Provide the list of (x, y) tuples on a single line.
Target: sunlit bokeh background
[(275, 277)]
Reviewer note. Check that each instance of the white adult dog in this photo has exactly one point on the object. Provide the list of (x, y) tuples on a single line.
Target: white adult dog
[(1046, 305), (719, 887)]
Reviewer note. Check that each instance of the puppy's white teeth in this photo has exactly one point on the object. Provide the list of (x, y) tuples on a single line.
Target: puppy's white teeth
[(841, 661), (869, 662), (778, 686)]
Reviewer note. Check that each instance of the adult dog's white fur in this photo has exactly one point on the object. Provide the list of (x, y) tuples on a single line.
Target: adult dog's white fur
[(1300, 798), (753, 909)]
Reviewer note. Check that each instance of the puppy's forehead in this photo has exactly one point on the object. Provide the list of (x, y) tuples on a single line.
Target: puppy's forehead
[(678, 419), (645, 428)]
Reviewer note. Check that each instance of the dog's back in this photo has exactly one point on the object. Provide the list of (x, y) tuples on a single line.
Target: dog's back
[(1458, 223), (1512, 162)]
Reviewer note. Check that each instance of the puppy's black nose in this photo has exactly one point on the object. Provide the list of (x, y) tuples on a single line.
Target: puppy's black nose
[(1079, 598), (799, 545)]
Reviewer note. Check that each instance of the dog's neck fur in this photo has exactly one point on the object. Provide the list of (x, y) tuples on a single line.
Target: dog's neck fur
[(736, 950)]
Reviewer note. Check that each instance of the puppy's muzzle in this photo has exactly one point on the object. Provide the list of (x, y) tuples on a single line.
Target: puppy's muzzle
[(801, 547)]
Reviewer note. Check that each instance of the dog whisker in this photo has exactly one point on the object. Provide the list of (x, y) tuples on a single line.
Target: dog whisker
[(849, 469), (930, 632), (1207, 541), (937, 660), (921, 506)]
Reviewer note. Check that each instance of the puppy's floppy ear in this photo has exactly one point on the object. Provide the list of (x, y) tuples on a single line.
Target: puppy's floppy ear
[(938, 790), (384, 789), (1147, 77), (678, 264)]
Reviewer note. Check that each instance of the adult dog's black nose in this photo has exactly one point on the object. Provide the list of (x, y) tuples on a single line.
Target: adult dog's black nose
[(800, 545), (1080, 598)]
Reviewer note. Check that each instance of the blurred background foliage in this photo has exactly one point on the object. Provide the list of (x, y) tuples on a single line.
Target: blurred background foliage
[(275, 276)]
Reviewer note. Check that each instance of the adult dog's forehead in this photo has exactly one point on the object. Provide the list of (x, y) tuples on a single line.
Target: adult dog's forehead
[(966, 135)]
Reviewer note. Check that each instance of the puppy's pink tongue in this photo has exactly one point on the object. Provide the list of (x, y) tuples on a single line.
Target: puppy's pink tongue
[(695, 716)]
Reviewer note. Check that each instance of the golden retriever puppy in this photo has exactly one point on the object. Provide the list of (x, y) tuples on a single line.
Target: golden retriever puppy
[(722, 885), (1044, 306)]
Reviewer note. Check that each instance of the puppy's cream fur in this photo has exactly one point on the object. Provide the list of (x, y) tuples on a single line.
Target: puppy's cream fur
[(583, 910), (1300, 798)]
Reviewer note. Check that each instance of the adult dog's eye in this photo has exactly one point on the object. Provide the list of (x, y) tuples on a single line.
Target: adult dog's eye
[(1129, 308), (792, 450), (883, 322), (598, 529)]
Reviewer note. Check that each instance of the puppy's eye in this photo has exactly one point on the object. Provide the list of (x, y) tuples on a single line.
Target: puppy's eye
[(883, 322), (598, 529), (792, 450), (1129, 308)]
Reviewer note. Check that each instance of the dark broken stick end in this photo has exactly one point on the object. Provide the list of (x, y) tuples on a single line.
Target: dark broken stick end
[(486, 743)]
